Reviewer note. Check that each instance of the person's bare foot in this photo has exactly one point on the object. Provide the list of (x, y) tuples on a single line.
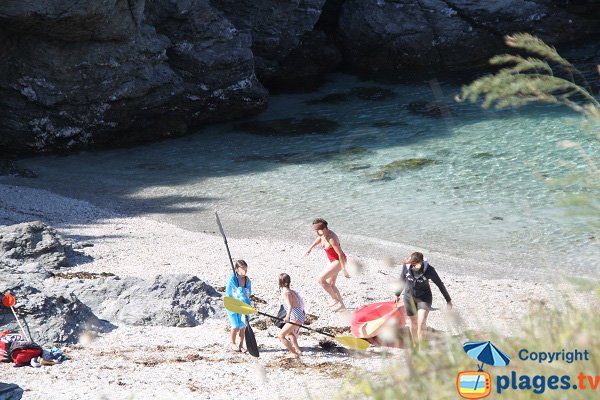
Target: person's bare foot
[(335, 305), (340, 307), (292, 356), (242, 350), (234, 347)]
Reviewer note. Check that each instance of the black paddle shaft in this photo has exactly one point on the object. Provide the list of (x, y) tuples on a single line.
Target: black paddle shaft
[(227, 247), (293, 323)]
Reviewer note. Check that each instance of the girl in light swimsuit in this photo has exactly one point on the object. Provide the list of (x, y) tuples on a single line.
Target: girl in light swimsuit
[(294, 307), (337, 261)]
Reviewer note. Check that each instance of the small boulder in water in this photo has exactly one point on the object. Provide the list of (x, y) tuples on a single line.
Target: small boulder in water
[(428, 108)]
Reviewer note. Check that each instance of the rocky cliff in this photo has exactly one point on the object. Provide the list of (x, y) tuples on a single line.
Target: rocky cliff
[(93, 73)]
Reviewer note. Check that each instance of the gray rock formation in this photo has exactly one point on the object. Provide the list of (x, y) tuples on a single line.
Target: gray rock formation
[(396, 38), (169, 300), (88, 73), (276, 28), (58, 306), (33, 243)]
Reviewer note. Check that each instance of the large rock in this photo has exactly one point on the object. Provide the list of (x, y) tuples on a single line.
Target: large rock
[(168, 300), (59, 306), (74, 20), (276, 28), (113, 79), (305, 67), (33, 243), (397, 38)]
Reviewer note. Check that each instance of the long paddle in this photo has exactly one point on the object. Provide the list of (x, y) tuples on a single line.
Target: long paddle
[(240, 307), (249, 333)]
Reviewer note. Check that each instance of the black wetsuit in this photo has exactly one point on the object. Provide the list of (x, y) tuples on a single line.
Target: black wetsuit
[(417, 286)]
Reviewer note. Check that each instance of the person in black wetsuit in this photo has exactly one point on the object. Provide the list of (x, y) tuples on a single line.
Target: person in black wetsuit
[(417, 296)]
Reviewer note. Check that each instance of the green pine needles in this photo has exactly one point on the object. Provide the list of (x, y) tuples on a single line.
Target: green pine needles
[(545, 77)]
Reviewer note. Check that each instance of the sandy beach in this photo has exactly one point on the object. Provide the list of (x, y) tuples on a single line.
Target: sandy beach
[(195, 363)]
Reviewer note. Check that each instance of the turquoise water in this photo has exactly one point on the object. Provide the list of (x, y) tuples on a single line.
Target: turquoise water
[(486, 184)]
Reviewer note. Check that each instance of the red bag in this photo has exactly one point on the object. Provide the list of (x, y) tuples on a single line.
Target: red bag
[(22, 352), (6, 340)]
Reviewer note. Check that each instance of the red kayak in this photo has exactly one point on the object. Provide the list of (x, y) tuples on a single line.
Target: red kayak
[(370, 318)]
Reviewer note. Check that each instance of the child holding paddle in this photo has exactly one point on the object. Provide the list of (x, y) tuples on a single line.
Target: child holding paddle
[(240, 288), (294, 307)]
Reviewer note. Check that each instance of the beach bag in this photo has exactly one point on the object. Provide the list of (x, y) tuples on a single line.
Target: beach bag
[(22, 352), (281, 315), (6, 340)]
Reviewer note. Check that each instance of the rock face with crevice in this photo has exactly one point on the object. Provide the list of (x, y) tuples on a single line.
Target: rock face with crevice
[(401, 37), (126, 72), (104, 73)]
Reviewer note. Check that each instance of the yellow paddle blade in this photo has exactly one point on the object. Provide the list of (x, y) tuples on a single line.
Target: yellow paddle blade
[(238, 307), (353, 342), (371, 328)]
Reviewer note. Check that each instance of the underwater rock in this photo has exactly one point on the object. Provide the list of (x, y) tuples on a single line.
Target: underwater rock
[(388, 171), (428, 108), (289, 126)]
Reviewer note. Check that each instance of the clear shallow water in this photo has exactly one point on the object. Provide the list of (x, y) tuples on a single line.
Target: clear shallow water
[(485, 187)]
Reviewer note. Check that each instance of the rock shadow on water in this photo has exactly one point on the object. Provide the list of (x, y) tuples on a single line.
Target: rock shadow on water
[(332, 98), (289, 126), (425, 108), (388, 124), (391, 170), (366, 93)]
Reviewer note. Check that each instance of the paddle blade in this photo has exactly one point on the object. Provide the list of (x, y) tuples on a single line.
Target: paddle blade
[(238, 307), (353, 342), (8, 300), (251, 341), (372, 328)]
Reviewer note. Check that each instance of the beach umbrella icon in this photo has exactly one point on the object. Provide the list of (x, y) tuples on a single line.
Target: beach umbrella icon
[(487, 353)]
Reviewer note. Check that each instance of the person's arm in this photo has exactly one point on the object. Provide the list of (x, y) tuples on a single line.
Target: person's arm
[(399, 291), (316, 242), (338, 249), (433, 275), (287, 300)]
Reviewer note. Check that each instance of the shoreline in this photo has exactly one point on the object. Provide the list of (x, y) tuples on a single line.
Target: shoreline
[(144, 247)]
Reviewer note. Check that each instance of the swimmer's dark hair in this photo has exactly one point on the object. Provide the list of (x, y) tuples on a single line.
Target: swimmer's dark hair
[(284, 280), (240, 263), (321, 222)]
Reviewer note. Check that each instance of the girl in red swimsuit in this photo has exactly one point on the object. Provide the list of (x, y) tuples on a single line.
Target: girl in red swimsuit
[(337, 261)]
